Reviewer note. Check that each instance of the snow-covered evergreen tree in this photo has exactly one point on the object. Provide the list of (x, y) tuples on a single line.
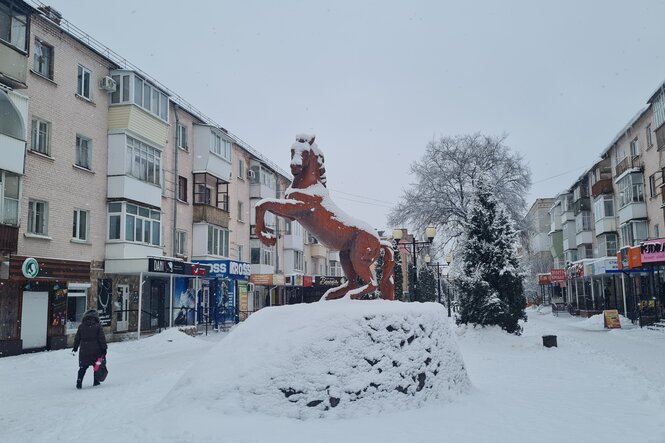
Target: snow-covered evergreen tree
[(397, 274), (426, 285), (491, 289)]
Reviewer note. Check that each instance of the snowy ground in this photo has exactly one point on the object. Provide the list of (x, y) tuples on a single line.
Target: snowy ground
[(597, 386)]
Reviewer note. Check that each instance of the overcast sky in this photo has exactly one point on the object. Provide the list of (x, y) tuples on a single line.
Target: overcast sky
[(377, 80)]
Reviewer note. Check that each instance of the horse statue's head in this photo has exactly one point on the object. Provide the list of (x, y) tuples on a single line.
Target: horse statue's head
[(307, 162)]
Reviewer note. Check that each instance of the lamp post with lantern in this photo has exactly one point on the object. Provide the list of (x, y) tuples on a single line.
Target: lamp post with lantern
[(430, 232), (449, 259)]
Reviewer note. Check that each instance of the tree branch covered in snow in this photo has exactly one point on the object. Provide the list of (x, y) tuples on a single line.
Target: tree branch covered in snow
[(445, 179)]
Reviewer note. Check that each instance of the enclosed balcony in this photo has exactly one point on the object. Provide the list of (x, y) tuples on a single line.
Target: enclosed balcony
[(8, 238), (211, 200), (602, 187)]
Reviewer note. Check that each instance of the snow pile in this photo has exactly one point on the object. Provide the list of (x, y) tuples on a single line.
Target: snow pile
[(338, 359)]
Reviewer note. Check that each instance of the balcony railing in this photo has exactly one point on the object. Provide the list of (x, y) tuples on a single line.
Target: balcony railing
[(210, 214), (8, 238), (627, 163), (583, 204), (602, 187)]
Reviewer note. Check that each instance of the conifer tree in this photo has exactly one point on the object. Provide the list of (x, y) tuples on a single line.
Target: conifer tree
[(397, 274), (491, 289)]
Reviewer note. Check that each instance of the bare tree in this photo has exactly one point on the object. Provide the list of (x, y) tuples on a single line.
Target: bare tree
[(445, 180)]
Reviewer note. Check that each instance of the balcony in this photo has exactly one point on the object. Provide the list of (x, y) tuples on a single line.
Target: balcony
[(632, 211), (318, 250), (8, 238), (210, 214), (602, 187), (584, 238), (605, 225), (294, 242), (583, 204), (13, 67), (627, 163)]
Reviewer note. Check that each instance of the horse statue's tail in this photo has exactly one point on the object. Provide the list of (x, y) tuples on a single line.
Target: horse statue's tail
[(387, 284)]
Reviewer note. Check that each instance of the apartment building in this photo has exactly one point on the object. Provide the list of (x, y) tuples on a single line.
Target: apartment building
[(117, 194)]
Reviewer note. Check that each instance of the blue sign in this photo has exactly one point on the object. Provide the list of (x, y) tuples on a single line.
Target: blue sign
[(228, 269)]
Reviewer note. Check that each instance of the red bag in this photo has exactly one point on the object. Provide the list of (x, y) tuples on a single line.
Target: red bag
[(100, 368)]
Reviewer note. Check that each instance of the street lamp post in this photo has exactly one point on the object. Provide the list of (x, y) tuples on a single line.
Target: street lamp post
[(438, 266), (430, 232)]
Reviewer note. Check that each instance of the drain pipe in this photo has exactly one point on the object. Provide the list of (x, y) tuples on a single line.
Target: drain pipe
[(176, 181)]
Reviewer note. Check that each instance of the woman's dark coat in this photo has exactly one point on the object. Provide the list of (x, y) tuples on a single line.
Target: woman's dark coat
[(90, 337)]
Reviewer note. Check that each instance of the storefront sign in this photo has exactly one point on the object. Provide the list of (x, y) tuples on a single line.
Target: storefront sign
[(634, 257), (544, 279), (611, 319), (307, 281), (294, 280), (278, 280), (652, 251), (167, 266), (228, 269), (261, 279), (558, 274), (328, 281), (104, 293), (603, 265), (30, 267)]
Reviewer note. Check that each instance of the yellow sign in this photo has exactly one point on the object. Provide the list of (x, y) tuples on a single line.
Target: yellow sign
[(242, 296), (611, 319)]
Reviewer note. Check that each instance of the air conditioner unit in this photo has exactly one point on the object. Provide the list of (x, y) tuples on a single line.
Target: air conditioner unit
[(250, 174), (107, 84)]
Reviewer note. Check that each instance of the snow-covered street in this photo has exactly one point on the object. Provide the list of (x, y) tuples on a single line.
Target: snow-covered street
[(597, 386)]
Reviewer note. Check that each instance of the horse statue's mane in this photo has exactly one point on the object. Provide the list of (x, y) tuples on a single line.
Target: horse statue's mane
[(305, 142)]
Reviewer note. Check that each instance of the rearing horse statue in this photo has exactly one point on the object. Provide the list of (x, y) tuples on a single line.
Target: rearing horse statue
[(308, 202)]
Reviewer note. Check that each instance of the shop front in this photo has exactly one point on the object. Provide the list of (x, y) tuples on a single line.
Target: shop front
[(652, 256), (218, 300), (42, 303), (293, 288), (635, 281), (160, 289), (268, 291), (319, 287)]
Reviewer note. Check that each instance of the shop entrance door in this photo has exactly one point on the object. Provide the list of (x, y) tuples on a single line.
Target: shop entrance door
[(122, 308), (34, 319)]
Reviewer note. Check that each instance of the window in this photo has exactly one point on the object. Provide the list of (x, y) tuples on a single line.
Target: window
[(652, 186), (631, 189), (649, 136), (76, 307), (603, 206), (633, 232), (203, 194), (635, 147), (241, 252), (298, 260), (41, 136), (142, 225), (220, 146), (83, 82), (38, 217), (583, 222), (241, 211), (181, 137), (656, 231), (9, 194), (43, 59), (335, 268), (80, 225), (260, 254), (182, 189), (241, 169), (607, 245), (218, 241), (83, 151), (143, 162), (13, 26), (181, 243)]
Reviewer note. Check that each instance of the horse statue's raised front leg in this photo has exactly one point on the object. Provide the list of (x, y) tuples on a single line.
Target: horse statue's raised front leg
[(291, 209)]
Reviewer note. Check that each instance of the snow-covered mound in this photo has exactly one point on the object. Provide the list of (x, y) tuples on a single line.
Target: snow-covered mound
[(337, 358)]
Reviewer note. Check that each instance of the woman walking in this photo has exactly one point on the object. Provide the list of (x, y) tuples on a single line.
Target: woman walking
[(90, 336)]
